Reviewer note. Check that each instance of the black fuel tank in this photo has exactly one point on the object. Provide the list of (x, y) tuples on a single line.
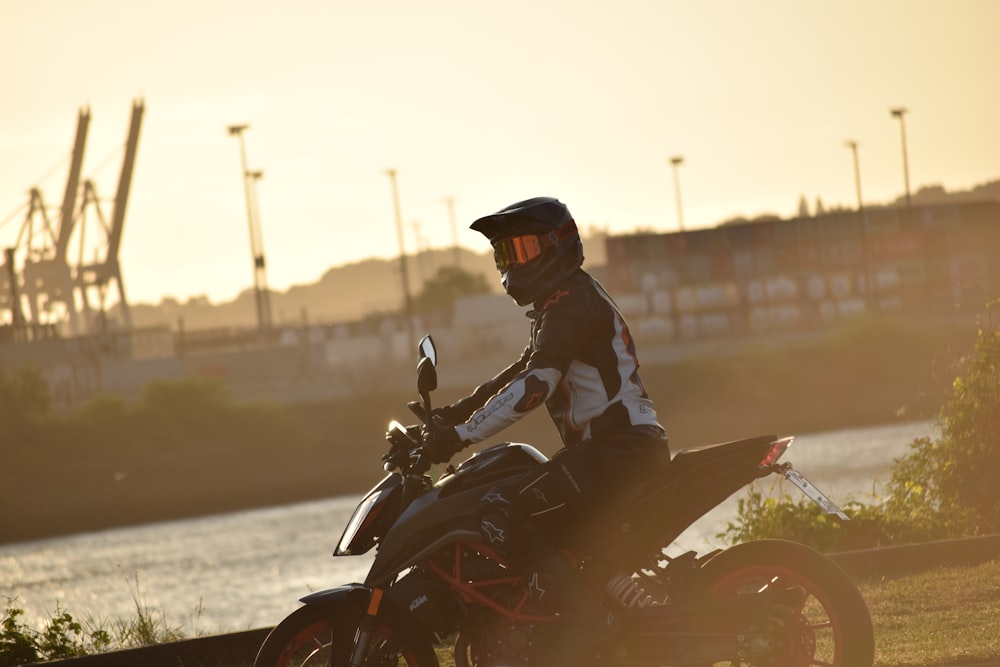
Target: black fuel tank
[(495, 463)]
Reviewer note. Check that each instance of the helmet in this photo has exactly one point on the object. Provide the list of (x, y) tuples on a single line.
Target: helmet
[(536, 246)]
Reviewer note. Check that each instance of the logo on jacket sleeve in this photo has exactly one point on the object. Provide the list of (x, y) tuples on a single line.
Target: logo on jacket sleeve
[(535, 391)]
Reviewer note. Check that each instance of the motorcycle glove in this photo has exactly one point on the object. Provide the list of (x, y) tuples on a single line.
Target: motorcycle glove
[(446, 416), (441, 444)]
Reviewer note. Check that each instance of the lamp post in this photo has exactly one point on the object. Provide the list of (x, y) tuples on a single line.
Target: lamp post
[(898, 112), (250, 179), (450, 201), (677, 161), (865, 257), (407, 300), (853, 145)]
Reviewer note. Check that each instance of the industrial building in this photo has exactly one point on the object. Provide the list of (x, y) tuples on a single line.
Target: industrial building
[(938, 261)]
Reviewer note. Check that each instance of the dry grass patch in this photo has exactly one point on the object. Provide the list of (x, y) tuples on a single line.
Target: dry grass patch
[(939, 617)]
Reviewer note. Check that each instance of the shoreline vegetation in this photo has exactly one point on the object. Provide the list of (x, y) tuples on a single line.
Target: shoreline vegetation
[(186, 449)]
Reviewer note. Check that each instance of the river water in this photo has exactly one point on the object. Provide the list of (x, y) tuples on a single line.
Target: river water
[(245, 570)]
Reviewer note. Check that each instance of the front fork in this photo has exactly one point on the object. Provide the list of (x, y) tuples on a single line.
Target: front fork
[(366, 629)]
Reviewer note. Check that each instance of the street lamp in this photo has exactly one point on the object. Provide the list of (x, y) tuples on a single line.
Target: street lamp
[(897, 112), (866, 260), (853, 145), (677, 161), (450, 201), (407, 301)]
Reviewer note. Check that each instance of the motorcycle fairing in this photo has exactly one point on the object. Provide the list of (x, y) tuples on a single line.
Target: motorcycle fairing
[(372, 517), (448, 512), (430, 523)]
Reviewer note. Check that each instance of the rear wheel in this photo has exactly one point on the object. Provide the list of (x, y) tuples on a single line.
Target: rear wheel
[(828, 623), (325, 635)]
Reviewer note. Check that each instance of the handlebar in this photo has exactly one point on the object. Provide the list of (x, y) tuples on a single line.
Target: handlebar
[(405, 447), (405, 453), (417, 408)]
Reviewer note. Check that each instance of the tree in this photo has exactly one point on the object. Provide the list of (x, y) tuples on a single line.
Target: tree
[(446, 286)]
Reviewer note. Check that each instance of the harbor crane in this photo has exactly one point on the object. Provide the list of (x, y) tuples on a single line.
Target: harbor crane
[(54, 288)]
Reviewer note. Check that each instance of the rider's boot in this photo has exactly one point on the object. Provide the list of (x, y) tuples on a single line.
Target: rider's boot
[(585, 627)]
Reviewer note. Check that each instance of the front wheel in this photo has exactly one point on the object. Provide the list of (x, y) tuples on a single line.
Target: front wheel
[(831, 624), (325, 635)]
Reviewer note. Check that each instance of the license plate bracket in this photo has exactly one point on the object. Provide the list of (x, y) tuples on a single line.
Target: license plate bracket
[(813, 493)]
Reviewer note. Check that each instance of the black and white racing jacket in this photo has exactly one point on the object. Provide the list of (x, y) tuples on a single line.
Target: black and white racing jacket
[(580, 362)]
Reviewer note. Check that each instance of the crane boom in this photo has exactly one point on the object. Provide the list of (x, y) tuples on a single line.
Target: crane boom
[(125, 180), (66, 219)]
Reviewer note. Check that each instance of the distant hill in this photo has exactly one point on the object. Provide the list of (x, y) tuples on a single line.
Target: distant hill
[(342, 294)]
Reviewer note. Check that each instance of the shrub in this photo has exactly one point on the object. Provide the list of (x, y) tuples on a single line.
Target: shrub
[(774, 514), (61, 637), (25, 403), (948, 486), (17, 641), (940, 489)]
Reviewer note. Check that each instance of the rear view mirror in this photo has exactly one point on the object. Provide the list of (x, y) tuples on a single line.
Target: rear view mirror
[(427, 380), (426, 350)]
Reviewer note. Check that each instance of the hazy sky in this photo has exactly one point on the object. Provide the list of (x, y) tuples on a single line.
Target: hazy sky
[(484, 102)]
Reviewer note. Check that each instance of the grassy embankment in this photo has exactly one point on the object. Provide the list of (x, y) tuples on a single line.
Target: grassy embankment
[(940, 617)]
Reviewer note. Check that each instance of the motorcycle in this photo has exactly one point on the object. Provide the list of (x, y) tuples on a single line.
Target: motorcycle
[(437, 590)]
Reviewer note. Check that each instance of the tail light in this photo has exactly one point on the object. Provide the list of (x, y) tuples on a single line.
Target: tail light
[(777, 449)]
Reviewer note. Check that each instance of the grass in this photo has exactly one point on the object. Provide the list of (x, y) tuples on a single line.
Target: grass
[(939, 617)]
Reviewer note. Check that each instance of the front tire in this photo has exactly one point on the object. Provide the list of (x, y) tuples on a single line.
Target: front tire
[(323, 635), (833, 626)]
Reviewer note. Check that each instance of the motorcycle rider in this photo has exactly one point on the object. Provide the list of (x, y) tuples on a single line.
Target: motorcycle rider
[(580, 362)]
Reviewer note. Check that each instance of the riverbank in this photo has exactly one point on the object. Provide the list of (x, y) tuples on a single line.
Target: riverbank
[(862, 377)]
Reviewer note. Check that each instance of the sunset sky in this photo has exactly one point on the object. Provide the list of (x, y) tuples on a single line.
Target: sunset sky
[(487, 103)]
